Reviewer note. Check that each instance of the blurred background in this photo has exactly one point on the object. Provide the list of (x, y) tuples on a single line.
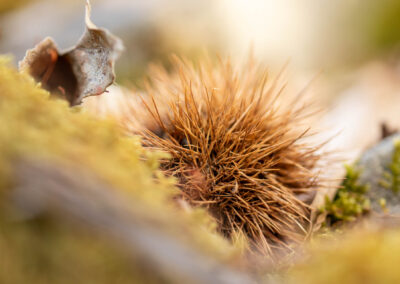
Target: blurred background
[(352, 45), (346, 53)]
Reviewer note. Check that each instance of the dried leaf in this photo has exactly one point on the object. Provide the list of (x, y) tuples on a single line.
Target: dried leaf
[(86, 69)]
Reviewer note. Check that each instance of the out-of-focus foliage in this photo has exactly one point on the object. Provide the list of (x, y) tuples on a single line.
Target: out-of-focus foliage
[(7, 5), (43, 251), (361, 257), (353, 32), (384, 29), (34, 125)]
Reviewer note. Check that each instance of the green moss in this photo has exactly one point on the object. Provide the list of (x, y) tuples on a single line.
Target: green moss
[(391, 178), (34, 125), (357, 257), (350, 201), (382, 203)]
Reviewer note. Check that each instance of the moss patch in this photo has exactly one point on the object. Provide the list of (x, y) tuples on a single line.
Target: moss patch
[(391, 178), (45, 251), (350, 202), (358, 257)]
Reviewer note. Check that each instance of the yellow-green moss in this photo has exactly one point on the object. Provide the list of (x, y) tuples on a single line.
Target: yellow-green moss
[(44, 251), (391, 178), (360, 257), (33, 125), (350, 201)]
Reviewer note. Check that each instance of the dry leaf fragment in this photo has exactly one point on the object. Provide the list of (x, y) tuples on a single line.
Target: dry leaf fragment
[(86, 69)]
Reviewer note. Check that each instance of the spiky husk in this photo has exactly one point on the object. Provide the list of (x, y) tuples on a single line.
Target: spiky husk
[(237, 148)]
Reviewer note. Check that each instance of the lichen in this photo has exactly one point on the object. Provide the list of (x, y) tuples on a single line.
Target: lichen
[(350, 201), (391, 177)]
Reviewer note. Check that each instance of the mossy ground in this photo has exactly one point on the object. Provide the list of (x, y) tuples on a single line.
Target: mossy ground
[(42, 250), (359, 257), (34, 125)]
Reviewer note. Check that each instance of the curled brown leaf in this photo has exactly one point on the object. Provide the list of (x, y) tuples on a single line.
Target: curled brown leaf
[(86, 69)]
